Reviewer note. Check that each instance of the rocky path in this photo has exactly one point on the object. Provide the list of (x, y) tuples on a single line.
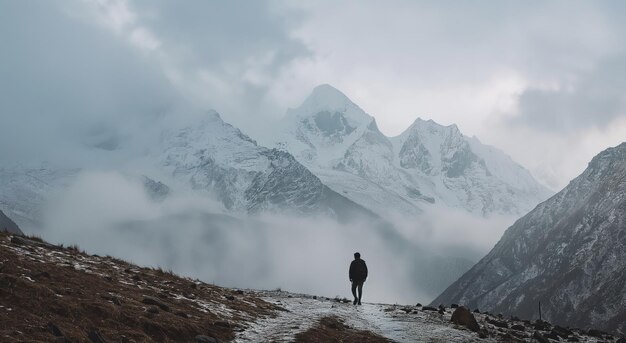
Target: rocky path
[(393, 322), (401, 323)]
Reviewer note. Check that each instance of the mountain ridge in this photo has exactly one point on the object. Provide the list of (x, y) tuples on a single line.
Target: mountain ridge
[(567, 253), (427, 163)]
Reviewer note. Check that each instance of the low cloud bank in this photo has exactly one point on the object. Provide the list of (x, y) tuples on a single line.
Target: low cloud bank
[(111, 213)]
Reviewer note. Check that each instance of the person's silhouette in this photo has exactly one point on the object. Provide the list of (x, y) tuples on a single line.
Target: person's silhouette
[(358, 274)]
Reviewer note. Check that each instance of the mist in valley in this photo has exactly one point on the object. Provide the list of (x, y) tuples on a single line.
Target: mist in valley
[(410, 261)]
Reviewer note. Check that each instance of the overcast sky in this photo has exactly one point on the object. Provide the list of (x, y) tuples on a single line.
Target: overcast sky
[(545, 81)]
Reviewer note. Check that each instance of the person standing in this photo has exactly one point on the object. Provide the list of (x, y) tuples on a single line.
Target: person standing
[(358, 274)]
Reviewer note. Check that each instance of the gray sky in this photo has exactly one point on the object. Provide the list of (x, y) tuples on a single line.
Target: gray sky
[(543, 81)]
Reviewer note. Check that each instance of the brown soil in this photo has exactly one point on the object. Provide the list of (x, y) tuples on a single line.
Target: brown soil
[(332, 329), (50, 293)]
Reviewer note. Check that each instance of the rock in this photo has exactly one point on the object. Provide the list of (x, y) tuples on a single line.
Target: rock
[(42, 274), (153, 309), (542, 325), (463, 316), (155, 301), (182, 314), (206, 339), (595, 333), (574, 339), (418, 305), (241, 292), (497, 323), (476, 311), (7, 281), (315, 297), (539, 338), (552, 335), (230, 297), (55, 330), (223, 324), (483, 333), (518, 327), (454, 306), (429, 308), (407, 310), (96, 337), (561, 331), (112, 298)]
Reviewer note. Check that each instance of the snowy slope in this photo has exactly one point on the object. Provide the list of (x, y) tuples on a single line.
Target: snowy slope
[(215, 158), (569, 253), (24, 191), (427, 164)]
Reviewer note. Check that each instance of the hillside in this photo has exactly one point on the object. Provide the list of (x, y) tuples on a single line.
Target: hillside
[(52, 293), (569, 253)]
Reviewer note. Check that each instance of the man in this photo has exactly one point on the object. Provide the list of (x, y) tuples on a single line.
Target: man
[(358, 274)]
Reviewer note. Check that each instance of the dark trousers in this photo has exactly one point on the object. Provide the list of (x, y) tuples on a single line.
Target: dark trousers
[(357, 285)]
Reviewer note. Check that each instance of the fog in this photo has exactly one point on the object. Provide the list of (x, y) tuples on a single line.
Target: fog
[(110, 213)]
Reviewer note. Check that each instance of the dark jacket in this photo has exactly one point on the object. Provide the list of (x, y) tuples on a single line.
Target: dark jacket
[(358, 270)]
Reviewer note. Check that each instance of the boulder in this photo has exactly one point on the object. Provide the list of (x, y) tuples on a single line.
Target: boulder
[(463, 316)]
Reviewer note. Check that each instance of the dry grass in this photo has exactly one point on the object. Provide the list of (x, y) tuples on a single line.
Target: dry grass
[(332, 329), (41, 295)]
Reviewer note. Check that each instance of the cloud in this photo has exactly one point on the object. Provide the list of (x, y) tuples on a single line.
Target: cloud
[(63, 80), (110, 213), (594, 101)]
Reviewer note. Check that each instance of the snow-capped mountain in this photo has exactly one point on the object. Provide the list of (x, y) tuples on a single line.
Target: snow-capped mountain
[(569, 253), (23, 192), (216, 158), (427, 164)]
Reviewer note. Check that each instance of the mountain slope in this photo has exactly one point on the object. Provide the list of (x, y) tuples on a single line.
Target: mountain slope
[(569, 253), (216, 158), (51, 293), (427, 164), (6, 224), (23, 192)]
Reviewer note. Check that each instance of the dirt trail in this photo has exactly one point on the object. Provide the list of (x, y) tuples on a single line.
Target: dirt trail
[(392, 322)]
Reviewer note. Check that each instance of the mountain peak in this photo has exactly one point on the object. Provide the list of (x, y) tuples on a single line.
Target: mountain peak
[(431, 126), (326, 98), (328, 95)]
